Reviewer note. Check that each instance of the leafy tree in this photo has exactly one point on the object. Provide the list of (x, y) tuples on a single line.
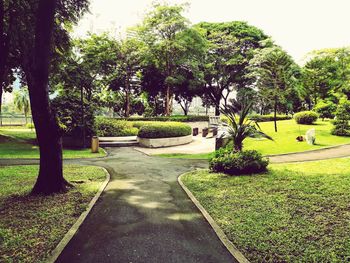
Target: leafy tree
[(21, 101), (40, 34), (239, 126), (275, 74), (170, 44), (230, 47), (126, 77), (325, 109)]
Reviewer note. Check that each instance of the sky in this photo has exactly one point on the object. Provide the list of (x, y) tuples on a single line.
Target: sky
[(299, 26)]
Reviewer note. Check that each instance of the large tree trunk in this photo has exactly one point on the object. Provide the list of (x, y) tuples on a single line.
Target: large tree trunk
[(217, 110), (50, 179), (1, 92)]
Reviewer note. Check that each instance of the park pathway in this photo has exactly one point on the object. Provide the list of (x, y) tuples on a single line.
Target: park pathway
[(144, 216)]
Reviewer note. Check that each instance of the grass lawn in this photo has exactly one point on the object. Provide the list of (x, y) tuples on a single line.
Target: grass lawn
[(284, 139), (31, 226), (18, 142), (294, 213)]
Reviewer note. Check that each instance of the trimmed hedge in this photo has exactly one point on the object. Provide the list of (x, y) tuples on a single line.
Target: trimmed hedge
[(164, 130), (306, 117), (238, 163), (176, 118), (114, 128)]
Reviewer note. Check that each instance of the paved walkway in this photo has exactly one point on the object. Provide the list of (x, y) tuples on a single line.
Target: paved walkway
[(144, 216)]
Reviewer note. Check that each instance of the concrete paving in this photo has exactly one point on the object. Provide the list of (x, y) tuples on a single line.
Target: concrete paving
[(144, 216)]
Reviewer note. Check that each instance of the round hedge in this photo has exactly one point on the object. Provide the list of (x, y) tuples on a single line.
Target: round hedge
[(306, 117), (164, 130)]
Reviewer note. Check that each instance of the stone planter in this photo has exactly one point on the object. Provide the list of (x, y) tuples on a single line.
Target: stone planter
[(164, 142)]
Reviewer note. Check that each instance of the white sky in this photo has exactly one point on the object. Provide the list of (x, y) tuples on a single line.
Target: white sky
[(299, 26)]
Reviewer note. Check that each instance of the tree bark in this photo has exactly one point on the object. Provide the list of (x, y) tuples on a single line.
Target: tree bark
[(50, 179), (167, 101), (127, 97), (275, 114), (217, 110)]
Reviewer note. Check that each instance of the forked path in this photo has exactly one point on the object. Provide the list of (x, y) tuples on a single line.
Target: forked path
[(144, 216)]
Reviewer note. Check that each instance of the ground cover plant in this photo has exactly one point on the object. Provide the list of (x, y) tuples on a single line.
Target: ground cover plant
[(293, 213), (284, 139), (29, 227), (20, 142)]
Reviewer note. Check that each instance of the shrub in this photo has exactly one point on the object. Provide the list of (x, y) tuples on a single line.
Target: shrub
[(305, 117), (341, 124), (164, 130), (325, 109), (114, 128), (269, 117), (30, 126), (237, 163), (176, 118)]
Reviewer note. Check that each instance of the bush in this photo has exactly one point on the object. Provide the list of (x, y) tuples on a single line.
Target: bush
[(306, 117), (30, 126), (269, 117), (237, 163), (325, 109), (177, 118), (114, 128), (342, 114), (164, 130)]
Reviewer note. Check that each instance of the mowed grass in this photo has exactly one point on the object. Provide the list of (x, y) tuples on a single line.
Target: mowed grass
[(294, 213), (284, 139), (20, 142), (31, 226)]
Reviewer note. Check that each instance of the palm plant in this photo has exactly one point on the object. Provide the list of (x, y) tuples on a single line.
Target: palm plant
[(21, 101), (239, 127)]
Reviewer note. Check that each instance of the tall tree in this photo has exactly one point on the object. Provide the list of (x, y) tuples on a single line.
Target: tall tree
[(275, 74), (230, 47), (171, 43)]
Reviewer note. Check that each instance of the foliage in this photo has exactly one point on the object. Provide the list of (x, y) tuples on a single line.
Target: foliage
[(305, 117), (237, 163), (325, 109), (21, 101), (230, 47), (341, 124), (293, 213), (114, 128), (178, 118), (239, 127), (68, 109), (275, 74), (164, 130)]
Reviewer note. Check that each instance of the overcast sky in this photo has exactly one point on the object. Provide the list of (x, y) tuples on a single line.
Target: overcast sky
[(299, 26)]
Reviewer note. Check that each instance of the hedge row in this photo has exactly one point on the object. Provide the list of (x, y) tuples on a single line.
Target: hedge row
[(178, 118), (164, 130), (114, 128), (269, 117)]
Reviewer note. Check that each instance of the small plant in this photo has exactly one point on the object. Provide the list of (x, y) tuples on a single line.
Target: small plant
[(30, 126), (306, 117), (238, 163)]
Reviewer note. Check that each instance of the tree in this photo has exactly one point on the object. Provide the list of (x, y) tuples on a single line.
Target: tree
[(21, 101), (126, 77), (41, 34), (239, 127), (170, 44), (275, 74), (230, 47)]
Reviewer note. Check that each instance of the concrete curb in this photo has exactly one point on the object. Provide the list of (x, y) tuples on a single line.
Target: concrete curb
[(221, 235), (73, 230)]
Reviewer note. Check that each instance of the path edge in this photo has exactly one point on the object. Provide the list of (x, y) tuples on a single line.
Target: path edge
[(218, 231), (75, 227)]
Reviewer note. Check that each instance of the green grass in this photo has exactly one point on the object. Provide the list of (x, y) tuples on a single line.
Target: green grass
[(31, 226), (19, 142), (294, 213), (284, 139)]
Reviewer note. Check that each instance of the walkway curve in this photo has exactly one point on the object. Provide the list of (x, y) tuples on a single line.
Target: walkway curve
[(144, 215)]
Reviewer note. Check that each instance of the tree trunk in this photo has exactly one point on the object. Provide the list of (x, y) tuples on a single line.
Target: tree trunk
[(1, 92), (167, 102), (217, 110), (275, 114), (50, 179), (237, 146)]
